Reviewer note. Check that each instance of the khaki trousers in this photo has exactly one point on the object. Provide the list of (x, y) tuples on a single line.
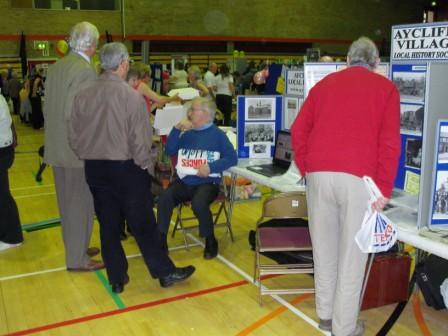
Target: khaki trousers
[(336, 206), (75, 204)]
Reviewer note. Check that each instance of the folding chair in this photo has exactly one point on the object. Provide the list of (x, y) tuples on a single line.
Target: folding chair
[(223, 202), (282, 239)]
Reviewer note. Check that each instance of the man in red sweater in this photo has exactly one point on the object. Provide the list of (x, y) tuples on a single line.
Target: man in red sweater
[(348, 127)]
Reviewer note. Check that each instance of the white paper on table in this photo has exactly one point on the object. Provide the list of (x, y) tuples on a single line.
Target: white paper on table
[(185, 93), (168, 117)]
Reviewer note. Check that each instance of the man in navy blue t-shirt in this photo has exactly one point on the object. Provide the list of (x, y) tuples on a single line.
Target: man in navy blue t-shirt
[(203, 152)]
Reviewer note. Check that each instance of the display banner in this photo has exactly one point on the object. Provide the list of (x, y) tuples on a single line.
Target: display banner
[(422, 42), (439, 213), (294, 83), (259, 118)]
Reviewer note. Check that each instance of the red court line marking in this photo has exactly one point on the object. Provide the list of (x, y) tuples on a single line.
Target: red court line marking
[(125, 310), (265, 319), (419, 315)]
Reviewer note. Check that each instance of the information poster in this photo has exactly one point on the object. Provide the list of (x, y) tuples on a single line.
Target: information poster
[(314, 72), (439, 213), (294, 83)]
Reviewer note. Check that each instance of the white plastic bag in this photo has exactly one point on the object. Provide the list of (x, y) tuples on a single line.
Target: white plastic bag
[(377, 232)]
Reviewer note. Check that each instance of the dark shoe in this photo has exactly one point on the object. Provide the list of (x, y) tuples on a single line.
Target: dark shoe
[(93, 251), (325, 325), (211, 248), (178, 275), (92, 265), (119, 286)]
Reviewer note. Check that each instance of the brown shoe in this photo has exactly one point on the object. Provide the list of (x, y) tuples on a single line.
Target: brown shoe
[(93, 251), (91, 266)]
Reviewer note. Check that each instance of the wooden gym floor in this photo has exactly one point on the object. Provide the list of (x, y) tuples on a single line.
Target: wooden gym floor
[(37, 295)]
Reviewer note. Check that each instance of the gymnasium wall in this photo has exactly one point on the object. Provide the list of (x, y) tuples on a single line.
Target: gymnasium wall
[(326, 23)]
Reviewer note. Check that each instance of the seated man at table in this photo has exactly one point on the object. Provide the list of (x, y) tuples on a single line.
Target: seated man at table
[(203, 153)]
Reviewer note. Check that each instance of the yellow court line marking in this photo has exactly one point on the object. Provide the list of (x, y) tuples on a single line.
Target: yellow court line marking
[(35, 195), (33, 187)]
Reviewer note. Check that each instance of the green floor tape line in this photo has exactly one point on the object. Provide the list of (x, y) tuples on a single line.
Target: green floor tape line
[(41, 225), (34, 175), (120, 304)]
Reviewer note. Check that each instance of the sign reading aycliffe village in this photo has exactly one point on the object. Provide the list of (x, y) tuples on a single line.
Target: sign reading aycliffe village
[(420, 42)]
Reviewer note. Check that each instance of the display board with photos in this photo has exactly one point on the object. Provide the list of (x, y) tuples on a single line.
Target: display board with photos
[(439, 209), (258, 120), (410, 80)]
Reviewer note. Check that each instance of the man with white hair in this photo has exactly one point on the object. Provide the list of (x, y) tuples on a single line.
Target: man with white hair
[(203, 152), (348, 127), (110, 129), (64, 80)]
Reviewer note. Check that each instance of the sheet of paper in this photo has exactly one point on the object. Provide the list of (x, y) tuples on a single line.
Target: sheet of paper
[(185, 94), (167, 117), (412, 183)]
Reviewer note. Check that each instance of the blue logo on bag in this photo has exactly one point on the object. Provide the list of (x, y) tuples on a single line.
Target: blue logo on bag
[(384, 231)]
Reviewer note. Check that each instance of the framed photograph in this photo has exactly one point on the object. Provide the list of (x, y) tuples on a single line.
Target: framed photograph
[(291, 109), (413, 153), (440, 201), (442, 156), (411, 119), (259, 132), (411, 86), (260, 109), (260, 150)]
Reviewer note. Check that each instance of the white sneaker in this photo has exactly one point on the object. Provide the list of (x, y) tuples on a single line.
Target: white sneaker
[(5, 246)]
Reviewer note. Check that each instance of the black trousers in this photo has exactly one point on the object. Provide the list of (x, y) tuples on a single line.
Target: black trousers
[(224, 104), (201, 196), (120, 190), (37, 117), (10, 229), (16, 104)]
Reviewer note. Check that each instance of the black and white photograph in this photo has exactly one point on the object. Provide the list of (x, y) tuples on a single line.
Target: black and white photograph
[(443, 145), (413, 153), (260, 150), (411, 119), (440, 206), (259, 132), (411, 85), (260, 109)]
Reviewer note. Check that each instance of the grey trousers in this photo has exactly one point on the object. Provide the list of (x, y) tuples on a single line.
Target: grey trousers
[(76, 209), (336, 206)]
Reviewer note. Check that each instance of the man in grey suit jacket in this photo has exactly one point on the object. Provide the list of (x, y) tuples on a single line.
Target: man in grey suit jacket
[(64, 79)]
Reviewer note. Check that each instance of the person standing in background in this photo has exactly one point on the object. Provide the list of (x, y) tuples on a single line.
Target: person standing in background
[(209, 78), (225, 90), (14, 90), (65, 78), (348, 127), (36, 91), (10, 229)]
